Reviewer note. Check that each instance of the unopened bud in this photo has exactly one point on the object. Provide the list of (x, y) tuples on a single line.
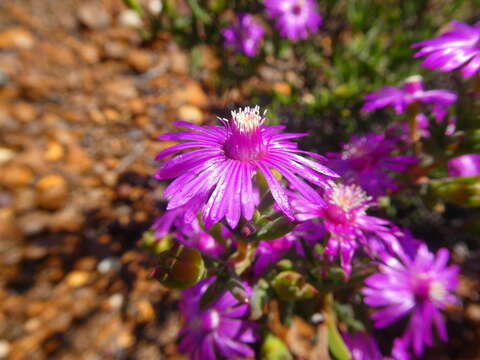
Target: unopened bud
[(291, 286), (179, 267)]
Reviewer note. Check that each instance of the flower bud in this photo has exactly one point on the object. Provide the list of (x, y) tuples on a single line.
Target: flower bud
[(179, 267), (291, 286), (463, 191)]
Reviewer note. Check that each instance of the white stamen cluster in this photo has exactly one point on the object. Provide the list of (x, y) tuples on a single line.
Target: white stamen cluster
[(437, 291), (248, 119), (348, 197)]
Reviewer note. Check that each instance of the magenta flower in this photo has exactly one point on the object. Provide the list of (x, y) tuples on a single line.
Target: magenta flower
[(457, 48), (221, 162), (244, 35), (362, 346), (219, 329), (345, 219), (368, 161), (410, 92), (464, 165), (420, 286), (294, 19)]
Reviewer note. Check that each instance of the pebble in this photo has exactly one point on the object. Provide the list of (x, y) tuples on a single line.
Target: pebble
[(4, 349), (93, 15), (6, 155), (15, 175), (139, 60), (130, 18), (76, 279), (115, 301), (190, 113), (109, 264), (52, 192), (192, 93), (16, 37)]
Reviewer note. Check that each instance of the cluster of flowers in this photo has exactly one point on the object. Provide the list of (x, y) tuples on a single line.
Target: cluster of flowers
[(229, 180), (294, 19)]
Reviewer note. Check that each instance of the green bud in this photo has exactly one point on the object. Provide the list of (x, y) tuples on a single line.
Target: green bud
[(179, 267), (291, 286), (156, 246), (462, 191), (275, 349)]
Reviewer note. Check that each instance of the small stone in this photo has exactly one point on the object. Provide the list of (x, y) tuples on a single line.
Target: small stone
[(179, 62), (24, 112), (6, 155), (139, 60), (16, 37), (282, 88), (108, 264), (137, 106), (52, 192), (145, 311), (4, 349), (115, 301), (93, 15), (473, 312), (155, 7), (121, 88), (15, 175), (76, 279), (54, 151), (130, 18), (33, 222), (190, 113), (192, 93)]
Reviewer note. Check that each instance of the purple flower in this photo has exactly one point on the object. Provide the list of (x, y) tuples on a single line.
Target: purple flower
[(464, 165), (420, 286), (294, 19), (219, 329), (457, 48), (244, 35), (345, 219), (362, 346), (221, 162), (366, 160), (410, 92)]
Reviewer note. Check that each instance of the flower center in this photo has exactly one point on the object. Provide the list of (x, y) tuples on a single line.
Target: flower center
[(346, 202), (245, 139), (210, 320), (413, 84), (427, 289), (437, 291)]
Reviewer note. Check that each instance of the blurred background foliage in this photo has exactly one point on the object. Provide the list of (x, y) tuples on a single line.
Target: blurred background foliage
[(361, 46)]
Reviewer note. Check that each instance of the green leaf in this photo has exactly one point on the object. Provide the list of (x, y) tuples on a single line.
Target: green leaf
[(336, 345)]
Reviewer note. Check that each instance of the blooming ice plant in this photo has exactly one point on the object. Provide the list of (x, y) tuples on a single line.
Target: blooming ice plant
[(345, 219), (457, 48), (294, 19), (244, 35), (367, 161), (421, 286), (219, 328), (221, 162), (410, 92), (464, 165)]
